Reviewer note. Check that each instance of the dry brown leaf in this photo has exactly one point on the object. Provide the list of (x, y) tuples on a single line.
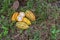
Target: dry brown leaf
[(15, 5)]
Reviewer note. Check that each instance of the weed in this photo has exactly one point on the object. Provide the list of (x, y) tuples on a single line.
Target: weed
[(54, 32), (36, 35)]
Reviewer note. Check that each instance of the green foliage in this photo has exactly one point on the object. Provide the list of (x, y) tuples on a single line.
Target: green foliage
[(41, 10), (0, 36), (30, 4), (54, 32), (5, 6), (5, 15), (2, 16), (28, 31), (52, 0), (4, 32), (36, 35)]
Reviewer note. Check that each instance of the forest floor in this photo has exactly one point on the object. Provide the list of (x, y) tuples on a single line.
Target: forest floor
[(46, 26)]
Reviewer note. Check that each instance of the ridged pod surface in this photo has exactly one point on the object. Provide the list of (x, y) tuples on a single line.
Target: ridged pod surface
[(27, 21), (22, 25), (14, 16), (30, 15)]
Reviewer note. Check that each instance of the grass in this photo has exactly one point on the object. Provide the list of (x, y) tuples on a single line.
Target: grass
[(40, 9), (54, 32)]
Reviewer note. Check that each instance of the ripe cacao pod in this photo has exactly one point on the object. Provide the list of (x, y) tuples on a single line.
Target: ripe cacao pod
[(27, 21), (22, 25), (30, 15), (14, 16)]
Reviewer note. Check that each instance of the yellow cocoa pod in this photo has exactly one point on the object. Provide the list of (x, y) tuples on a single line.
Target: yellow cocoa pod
[(22, 25), (29, 14), (14, 16), (27, 21)]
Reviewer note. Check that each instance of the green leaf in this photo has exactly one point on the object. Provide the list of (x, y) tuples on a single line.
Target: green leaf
[(57, 31), (2, 16), (0, 35), (53, 31), (36, 35), (4, 28), (21, 31), (5, 33)]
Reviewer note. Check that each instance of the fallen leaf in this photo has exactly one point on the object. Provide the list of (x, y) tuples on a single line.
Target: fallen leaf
[(15, 5)]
